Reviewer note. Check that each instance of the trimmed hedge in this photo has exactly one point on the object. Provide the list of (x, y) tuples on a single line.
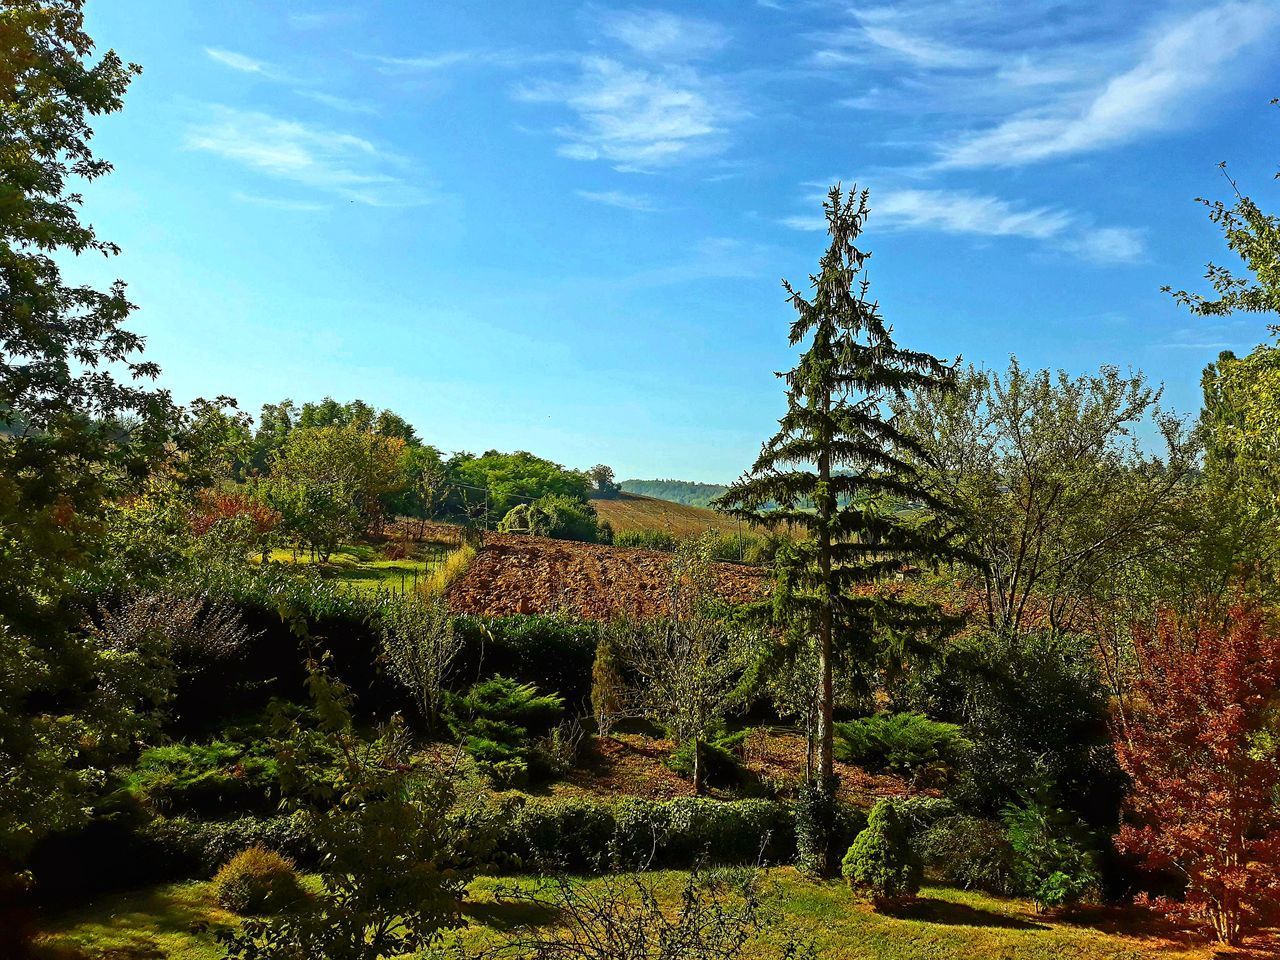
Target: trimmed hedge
[(583, 833)]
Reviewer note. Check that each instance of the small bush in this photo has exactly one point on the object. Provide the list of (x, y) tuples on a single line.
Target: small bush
[(497, 721), (816, 813), (720, 760), (969, 852), (1055, 863), (906, 743), (257, 880), (881, 859), (212, 778)]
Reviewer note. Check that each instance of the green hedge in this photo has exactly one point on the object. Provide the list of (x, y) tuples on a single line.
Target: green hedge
[(588, 834)]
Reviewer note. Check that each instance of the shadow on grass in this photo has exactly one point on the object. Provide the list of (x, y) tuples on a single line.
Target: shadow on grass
[(509, 914), (945, 912)]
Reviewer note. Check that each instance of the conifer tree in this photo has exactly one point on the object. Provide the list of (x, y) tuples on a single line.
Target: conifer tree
[(840, 469)]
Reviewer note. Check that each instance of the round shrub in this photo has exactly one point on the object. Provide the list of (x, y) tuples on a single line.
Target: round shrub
[(881, 858), (257, 880)]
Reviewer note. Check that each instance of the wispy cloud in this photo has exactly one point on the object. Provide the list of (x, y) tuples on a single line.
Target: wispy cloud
[(241, 62), (342, 104), (960, 212), (634, 119), (663, 36), (340, 164), (1148, 97), (616, 198), (321, 19)]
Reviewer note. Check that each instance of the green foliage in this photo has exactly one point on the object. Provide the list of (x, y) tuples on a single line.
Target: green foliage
[(558, 516), (881, 858), (969, 852), (1034, 709), (78, 422), (556, 653), (257, 881), (677, 491), (816, 834), (1058, 493), (647, 539), (420, 647), (719, 759), (394, 849), (1055, 861), (328, 483), (905, 743), (842, 470), (513, 477), (497, 721), (581, 833), (211, 779), (608, 687)]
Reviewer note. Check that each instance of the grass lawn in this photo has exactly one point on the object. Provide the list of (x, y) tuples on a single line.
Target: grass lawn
[(946, 924), (362, 566)]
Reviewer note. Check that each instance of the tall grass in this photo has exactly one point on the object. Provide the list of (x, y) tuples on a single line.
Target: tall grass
[(454, 566)]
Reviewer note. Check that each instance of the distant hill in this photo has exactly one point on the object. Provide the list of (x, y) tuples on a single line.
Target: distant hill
[(632, 512), (677, 491)]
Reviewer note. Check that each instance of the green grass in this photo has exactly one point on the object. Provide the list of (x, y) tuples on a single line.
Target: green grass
[(361, 566), (945, 924)]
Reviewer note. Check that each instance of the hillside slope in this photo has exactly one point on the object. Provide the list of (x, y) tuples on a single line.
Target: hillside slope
[(633, 512), (677, 491)]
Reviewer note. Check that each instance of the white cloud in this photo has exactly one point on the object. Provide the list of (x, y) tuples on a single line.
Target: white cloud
[(961, 212), (1148, 97), (663, 36), (429, 62), (343, 104), (238, 61), (329, 161), (635, 119), (924, 51), (616, 198)]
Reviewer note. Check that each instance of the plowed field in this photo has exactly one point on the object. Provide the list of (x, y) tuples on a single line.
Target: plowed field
[(520, 574)]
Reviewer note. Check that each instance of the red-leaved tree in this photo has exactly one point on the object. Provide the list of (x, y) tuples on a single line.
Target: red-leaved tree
[(1196, 740)]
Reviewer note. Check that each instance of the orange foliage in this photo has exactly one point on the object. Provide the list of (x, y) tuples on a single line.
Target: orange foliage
[(1195, 738)]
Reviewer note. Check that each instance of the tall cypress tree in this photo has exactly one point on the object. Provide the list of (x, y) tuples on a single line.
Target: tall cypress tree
[(840, 469)]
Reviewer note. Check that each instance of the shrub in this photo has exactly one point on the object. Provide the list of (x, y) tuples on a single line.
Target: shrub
[(213, 778), (184, 847), (906, 743), (257, 880), (969, 852), (1055, 862), (881, 858), (556, 515), (720, 760), (497, 720), (555, 653), (588, 834), (815, 818)]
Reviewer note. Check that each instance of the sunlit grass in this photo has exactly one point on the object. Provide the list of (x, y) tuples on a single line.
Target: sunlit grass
[(946, 924)]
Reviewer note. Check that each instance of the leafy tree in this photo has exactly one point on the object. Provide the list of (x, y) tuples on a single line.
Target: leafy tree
[(1198, 742), (424, 485), (511, 478), (394, 847), (606, 486), (841, 451), (329, 483), (1057, 495), (686, 663), (77, 424), (608, 687)]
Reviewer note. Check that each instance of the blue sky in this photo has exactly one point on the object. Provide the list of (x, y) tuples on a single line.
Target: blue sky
[(564, 230)]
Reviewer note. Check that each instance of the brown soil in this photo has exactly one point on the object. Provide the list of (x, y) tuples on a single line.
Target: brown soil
[(520, 574)]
